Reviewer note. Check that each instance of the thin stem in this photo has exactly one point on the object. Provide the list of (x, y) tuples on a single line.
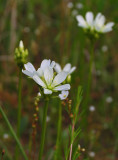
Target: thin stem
[(74, 120), (19, 102), (19, 108), (90, 74), (13, 134), (58, 132), (43, 130), (71, 146)]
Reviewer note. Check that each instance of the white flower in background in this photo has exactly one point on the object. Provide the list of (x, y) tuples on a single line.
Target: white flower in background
[(79, 5), (70, 5), (92, 108), (109, 99), (92, 154), (105, 48), (67, 68), (94, 24), (63, 95), (31, 71), (47, 119), (5, 136), (74, 12)]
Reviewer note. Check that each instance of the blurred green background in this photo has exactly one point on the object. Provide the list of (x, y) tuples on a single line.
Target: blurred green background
[(49, 30)]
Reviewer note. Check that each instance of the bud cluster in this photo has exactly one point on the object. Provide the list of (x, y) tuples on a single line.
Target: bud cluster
[(35, 115), (20, 55)]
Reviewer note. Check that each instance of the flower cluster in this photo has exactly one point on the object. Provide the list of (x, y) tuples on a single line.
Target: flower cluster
[(47, 79), (21, 55), (95, 25)]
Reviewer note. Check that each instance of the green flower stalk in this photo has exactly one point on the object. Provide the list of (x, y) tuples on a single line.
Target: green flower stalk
[(90, 72), (75, 113), (43, 129), (20, 58), (57, 152)]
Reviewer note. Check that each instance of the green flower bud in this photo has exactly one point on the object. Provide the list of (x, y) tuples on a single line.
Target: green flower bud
[(69, 78), (20, 55)]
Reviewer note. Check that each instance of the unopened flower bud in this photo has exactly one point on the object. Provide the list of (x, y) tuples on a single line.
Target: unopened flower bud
[(79, 147), (83, 149), (21, 45), (20, 55), (37, 109), (69, 78)]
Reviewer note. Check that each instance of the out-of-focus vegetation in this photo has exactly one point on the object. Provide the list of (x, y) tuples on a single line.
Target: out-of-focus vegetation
[(49, 30)]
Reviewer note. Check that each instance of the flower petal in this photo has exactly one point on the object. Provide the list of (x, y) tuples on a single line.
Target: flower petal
[(89, 18), (48, 75), (81, 21), (30, 74), (39, 81), (52, 65), (21, 44), (99, 20), (60, 77), (57, 68), (108, 27), (40, 72), (29, 67), (67, 67), (72, 70), (47, 91), (45, 63), (63, 95), (62, 87)]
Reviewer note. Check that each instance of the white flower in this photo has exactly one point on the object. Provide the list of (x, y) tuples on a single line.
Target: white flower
[(109, 99), (70, 5), (92, 108), (67, 68), (63, 95), (92, 154), (47, 119), (31, 71), (104, 48), (74, 12), (46, 78), (79, 5), (5, 136), (51, 83), (96, 24)]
